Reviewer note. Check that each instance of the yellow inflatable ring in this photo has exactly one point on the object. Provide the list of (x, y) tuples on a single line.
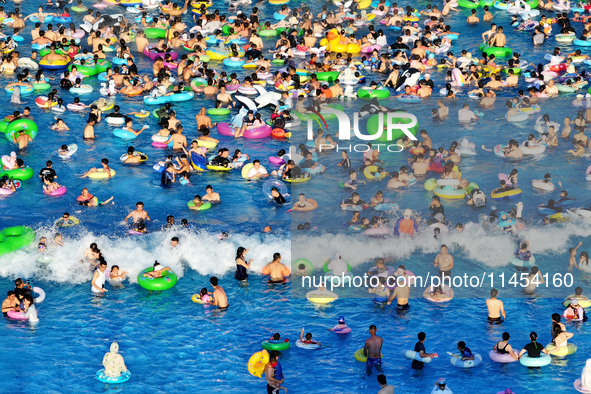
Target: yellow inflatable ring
[(359, 356), (371, 171), (564, 350)]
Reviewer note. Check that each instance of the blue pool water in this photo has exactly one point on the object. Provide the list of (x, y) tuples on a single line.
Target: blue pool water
[(174, 345)]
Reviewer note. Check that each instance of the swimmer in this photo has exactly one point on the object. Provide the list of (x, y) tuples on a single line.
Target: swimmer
[(574, 312), (503, 347), (204, 296), (373, 351), (117, 274), (113, 362), (10, 303), (380, 290), (277, 197), (495, 308), (533, 349), (98, 278), (444, 261), (465, 351), (275, 269), (219, 294), (106, 169), (572, 259), (241, 264), (308, 338), (420, 349), (402, 290), (274, 373), (157, 272), (210, 195), (22, 140), (138, 215), (29, 309)]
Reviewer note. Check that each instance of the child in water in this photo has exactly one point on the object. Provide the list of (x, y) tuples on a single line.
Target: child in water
[(380, 291), (572, 260), (308, 338), (340, 326), (204, 296)]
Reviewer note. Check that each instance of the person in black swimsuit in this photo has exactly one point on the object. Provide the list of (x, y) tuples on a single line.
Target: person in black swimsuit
[(241, 264), (503, 347)]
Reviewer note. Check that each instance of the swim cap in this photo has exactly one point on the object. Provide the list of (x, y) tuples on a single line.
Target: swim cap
[(407, 213), (440, 381), (341, 319)]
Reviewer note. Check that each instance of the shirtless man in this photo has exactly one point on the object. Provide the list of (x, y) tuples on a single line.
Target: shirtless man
[(203, 120), (219, 295), (10, 303), (442, 111), (498, 40), (210, 195), (373, 351), (89, 128), (421, 166), (22, 140), (138, 215), (473, 19), (275, 269), (445, 262), (402, 290), (141, 41), (495, 308)]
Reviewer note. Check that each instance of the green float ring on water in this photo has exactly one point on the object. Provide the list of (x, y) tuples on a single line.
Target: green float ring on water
[(218, 111), (267, 345), (14, 238), (102, 66), (226, 30), (373, 93), (268, 33), (204, 207), (167, 281), (87, 71), (328, 76), (47, 51), (373, 123), (279, 62), (27, 125), (20, 174), (152, 32), (468, 4), (532, 3), (41, 86), (503, 52), (307, 263)]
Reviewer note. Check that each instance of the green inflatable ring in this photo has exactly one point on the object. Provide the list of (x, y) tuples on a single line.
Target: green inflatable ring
[(87, 71), (218, 111), (307, 263), (79, 9), (41, 86), (489, 3), (3, 125), (14, 238), (27, 125), (268, 33), (155, 113), (532, 3), (278, 62), (373, 123), (325, 266), (167, 281), (226, 30), (47, 51), (204, 207), (329, 76), (468, 4), (152, 32), (102, 66), (20, 174), (379, 93), (279, 346), (497, 51), (516, 70)]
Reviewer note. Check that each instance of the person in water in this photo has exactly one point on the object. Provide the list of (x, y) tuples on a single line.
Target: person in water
[(503, 347), (373, 351), (241, 264), (274, 374), (465, 351), (308, 338), (495, 308), (98, 278), (138, 215), (277, 197), (219, 294), (276, 269), (157, 271), (420, 349), (113, 362), (533, 349), (10, 303)]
